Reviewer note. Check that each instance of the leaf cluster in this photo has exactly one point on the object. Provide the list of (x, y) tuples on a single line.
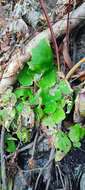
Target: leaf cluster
[(65, 141), (42, 97)]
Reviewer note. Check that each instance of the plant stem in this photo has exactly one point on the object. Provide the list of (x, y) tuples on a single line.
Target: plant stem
[(52, 33)]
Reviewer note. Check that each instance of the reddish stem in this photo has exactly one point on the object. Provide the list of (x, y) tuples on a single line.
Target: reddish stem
[(52, 33)]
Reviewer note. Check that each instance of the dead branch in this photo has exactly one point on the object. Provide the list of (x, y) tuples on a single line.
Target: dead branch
[(74, 68), (17, 60)]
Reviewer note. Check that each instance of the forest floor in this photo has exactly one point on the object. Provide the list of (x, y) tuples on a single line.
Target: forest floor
[(40, 151)]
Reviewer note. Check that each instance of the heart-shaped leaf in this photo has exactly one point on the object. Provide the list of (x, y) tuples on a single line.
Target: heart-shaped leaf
[(42, 57), (48, 79), (59, 115), (26, 76)]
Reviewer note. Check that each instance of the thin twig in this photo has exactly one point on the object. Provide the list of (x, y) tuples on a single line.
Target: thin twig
[(52, 33), (29, 146), (80, 76), (49, 170), (3, 167), (61, 176), (48, 183), (34, 145), (51, 157), (74, 68)]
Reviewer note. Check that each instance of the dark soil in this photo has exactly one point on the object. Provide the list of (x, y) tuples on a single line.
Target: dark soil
[(72, 167)]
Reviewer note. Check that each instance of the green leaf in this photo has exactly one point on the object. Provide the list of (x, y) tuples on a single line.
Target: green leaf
[(23, 135), (26, 76), (65, 87), (42, 57), (22, 92), (39, 113), (62, 142), (11, 146), (50, 107), (48, 79), (46, 97), (54, 118), (62, 145), (76, 133), (48, 121), (19, 107), (77, 144), (8, 98), (58, 95), (59, 115), (35, 99)]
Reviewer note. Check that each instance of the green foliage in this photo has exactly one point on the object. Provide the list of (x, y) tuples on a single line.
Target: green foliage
[(19, 107), (11, 147), (10, 143), (26, 76), (62, 144), (41, 96), (54, 118), (59, 115), (65, 87), (64, 141), (76, 133), (23, 135), (39, 113), (41, 57), (48, 79), (50, 108), (23, 92)]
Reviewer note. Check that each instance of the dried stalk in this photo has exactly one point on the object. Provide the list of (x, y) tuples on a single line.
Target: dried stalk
[(74, 68)]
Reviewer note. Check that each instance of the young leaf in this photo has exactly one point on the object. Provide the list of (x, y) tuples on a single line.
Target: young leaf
[(58, 95), (59, 115), (26, 76), (62, 142), (35, 99), (65, 87), (62, 145), (46, 97), (22, 92), (48, 79), (11, 147), (19, 107), (42, 57), (23, 135), (48, 121), (39, 113), (76, 133), (50, 107)]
